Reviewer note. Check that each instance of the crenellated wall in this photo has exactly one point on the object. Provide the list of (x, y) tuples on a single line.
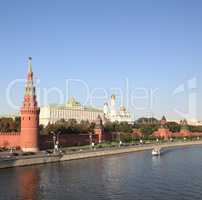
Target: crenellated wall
[(162, 133), (10, 139), (165, 133)]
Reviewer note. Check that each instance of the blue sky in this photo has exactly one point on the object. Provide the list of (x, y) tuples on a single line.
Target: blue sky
[(156, 45)]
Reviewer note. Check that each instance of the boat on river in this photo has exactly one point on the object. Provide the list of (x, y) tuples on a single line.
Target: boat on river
[(156, 151)]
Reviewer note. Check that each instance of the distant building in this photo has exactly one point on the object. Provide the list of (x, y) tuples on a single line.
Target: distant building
[(191, 122), (112, 114), (163, 131), (194, 122), (72, 110)]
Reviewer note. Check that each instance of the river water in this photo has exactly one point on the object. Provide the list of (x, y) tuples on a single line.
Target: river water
[(177, 174)]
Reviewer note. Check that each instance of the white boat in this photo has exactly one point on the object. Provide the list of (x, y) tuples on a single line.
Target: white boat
[(156, 152)]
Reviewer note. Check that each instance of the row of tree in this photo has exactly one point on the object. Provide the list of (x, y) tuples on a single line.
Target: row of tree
[(146, 125), (123, 127), (68, 127), (73, 127), (9, 124)]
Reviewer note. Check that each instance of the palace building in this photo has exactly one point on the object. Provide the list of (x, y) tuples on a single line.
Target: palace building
[(71, 110)]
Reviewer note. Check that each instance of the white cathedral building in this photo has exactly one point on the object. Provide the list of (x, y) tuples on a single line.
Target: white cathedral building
[(113, 114)]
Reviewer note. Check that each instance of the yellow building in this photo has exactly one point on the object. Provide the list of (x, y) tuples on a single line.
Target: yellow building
[(71, 110)]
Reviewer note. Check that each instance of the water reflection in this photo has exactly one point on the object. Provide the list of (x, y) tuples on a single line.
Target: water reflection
[(156, 160), (28, 183)]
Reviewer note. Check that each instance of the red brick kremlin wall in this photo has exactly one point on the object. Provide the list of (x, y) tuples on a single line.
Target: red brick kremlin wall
[(165, 133), (68, 140), (10, 139)]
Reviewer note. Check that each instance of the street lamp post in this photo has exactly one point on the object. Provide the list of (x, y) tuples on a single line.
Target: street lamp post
[(57, 141), (54, 141), (120, 142), (90, 139), (132, 139)]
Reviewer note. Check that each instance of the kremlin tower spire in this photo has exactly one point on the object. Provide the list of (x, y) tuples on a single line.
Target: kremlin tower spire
[(29, 115), (30, 73), (30, 89), (30, 64)]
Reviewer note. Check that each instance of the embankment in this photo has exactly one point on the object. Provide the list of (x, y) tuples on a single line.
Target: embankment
[(43, 159)]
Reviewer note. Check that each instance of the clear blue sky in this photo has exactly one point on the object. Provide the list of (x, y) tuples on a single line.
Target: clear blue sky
[(152, 43)]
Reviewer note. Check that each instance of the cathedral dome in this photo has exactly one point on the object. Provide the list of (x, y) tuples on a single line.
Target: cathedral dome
[(122, 109), (113, 97)]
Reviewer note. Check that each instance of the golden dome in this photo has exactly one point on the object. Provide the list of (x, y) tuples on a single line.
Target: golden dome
[(113, 97), (122, 108)]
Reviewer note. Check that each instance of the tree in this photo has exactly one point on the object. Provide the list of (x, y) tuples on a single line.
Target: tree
[(173, 127), (118, 127), (10, 124), (69, 127), (125, 127), (146, 130), (195, 128), (144, 120), (126, 137), (109, 127)]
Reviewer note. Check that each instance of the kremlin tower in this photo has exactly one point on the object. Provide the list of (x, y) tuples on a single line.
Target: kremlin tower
[(99, 129), (163, 130), (29, 115)]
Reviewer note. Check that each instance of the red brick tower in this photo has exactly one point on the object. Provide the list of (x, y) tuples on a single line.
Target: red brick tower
[(163, 131), (99, 129), (184, 132), (29, 115), (163, 122)]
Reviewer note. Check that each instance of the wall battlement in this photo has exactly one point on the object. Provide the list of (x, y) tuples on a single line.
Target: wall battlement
[(9, 133)]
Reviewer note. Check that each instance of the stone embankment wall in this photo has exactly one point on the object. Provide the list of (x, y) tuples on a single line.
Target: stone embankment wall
[(33, 160)]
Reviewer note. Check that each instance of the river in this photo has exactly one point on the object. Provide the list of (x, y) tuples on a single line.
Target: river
[(176, 174)]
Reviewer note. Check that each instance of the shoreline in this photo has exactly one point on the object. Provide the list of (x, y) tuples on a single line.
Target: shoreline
[(44, 159)]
